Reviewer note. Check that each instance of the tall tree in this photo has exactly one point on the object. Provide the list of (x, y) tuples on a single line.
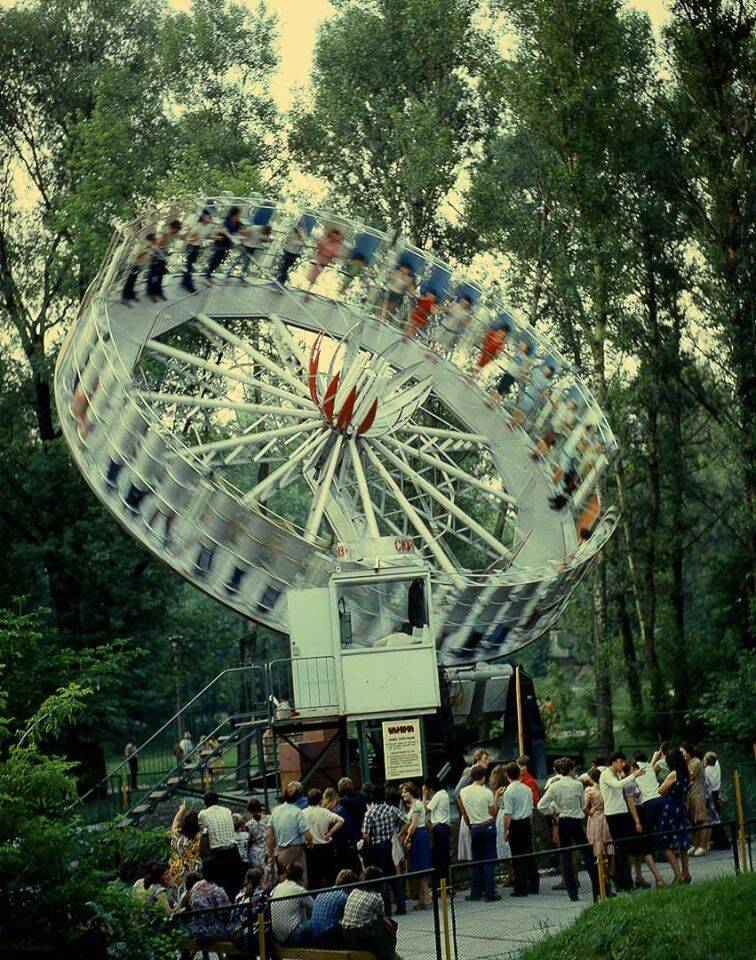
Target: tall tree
[(712, 59), (552, 191), (395, 110)]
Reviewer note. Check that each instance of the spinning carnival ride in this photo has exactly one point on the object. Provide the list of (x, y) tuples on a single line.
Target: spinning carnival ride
[(265, 441)]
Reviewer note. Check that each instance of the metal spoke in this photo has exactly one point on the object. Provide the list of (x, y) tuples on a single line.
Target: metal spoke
[(324, 489), (265, 487), (223, 372), (253, 352), (182, 399), (362, 487), (443, 501), (415, 519), (261, 437), (452, 469)]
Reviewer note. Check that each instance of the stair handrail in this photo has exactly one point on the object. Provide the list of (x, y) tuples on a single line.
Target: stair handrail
[(203, 762), (176, 715)]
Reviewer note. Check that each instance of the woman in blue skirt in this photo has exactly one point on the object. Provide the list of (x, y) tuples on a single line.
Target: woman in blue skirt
[(417, 841), (673, 819)]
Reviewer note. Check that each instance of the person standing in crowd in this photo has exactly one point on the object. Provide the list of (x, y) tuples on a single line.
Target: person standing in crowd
[(241, 836), (596, 827), (696, 802), (518, 832), (365, 924), (674, 818), (222, 242), (401, 284), (218, 824), (323, 824), (257, 828), (195, 240), (417, 842), (526, 777), (159, 260), (437, 806), (186, 744), (185, 845), (565, 798), (482, 759), (352, 807), (713, 774), (324, 932), (291, 251), (382, 821), (290, 907), (344, 849), (498, 784), (650, 809), (479, 810), (620, 822), (640, 848), (288, 833), (130, 752)]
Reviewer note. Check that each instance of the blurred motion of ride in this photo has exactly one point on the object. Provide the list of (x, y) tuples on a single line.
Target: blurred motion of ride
[(324, 421)]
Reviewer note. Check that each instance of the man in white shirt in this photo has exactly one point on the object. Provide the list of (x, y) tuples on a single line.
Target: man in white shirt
[(290, 908), (518, 832), (564, 796), (437, 804), (618, 818), (218, 824), (479, 810)]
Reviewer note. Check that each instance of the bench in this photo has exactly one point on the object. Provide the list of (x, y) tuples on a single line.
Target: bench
[(229, 949), (310, 953)]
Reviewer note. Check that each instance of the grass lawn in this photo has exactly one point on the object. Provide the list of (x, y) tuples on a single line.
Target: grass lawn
[(715, 920)]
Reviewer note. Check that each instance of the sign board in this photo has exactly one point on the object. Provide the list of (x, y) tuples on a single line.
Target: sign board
[(402, 749)]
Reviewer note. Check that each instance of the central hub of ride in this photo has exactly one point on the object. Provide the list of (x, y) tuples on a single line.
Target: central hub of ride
[(360, 394)]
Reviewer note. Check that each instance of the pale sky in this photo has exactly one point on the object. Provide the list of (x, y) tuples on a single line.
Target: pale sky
[(298, 21)]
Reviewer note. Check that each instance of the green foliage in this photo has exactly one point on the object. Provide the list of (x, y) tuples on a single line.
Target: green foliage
[(713, 920), (729, 707), (395, 110)]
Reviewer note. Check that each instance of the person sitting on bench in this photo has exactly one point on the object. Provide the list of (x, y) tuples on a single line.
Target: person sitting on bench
[(365, 924), (290, 908)]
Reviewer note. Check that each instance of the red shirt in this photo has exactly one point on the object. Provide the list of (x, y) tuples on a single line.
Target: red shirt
[(530, 781)]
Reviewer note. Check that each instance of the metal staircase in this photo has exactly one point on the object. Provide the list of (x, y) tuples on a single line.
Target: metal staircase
[(196, 772)]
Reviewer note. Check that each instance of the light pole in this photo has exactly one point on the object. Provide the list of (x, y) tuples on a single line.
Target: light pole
[(176, 641)]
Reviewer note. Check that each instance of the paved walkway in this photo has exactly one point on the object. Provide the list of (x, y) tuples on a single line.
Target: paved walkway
[(504, 930)]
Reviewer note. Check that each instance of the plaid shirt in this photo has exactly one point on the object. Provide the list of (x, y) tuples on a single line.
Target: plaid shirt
[(327, 912), (219, 825), (382, 822), (362, 908)]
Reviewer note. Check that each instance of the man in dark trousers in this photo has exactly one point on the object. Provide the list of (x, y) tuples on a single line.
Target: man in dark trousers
[(564, 796), (518, 808)]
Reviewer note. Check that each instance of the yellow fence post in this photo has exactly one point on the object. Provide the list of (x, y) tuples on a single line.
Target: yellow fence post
[(601, 867), (445, 918), (124, 792), (518, 696), (741, 821), (261, 936)]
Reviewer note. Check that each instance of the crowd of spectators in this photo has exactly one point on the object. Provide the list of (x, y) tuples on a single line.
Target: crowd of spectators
[(326, 870)]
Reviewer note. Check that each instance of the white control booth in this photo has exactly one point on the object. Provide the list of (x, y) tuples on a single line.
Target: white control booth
[(335, 670)]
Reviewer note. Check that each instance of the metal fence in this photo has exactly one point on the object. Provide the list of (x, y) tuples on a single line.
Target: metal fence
[(506, 926), (241, 930)]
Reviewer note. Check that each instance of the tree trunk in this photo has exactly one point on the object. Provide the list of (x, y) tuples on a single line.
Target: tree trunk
[(628, 652)]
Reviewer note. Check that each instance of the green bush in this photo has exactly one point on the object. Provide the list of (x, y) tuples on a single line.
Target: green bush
[(715, 920)]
